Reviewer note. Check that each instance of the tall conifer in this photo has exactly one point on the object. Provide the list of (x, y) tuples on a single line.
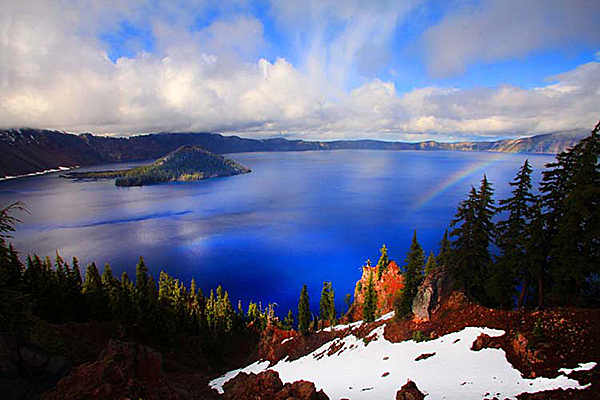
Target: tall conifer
[(303, 311)]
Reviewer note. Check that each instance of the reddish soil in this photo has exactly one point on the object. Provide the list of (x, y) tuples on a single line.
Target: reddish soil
[(564, 338)]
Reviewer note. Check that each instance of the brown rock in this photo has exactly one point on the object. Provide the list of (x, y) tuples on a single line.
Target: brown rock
[(435, 289), (409, 391), (122, 370), (268, 386), (484, 341)]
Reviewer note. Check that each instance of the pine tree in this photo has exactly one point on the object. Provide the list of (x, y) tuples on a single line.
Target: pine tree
[(382, 264), (288, 322), (125, 310), (571, 198), (474, 232), (536, 250), (370, 300), (348, 301), (413, 276), (95, 295), (443, 258), (111, 287), (511, 265), (430, 266), (326, 304), (145, 298), (303, 311)]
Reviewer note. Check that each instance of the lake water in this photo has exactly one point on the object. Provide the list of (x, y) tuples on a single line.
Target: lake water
[(299, 217)]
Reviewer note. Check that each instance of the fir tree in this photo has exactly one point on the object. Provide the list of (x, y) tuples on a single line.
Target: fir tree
[(511, 240), (382, 264), (413, 276), (288, 322), (303, 311), (474, 232), (443, 258), (95, 295), (430, 266), (348, 301), (370, 300), (536, 250), (145, 298), (326, 304), (571, 197)]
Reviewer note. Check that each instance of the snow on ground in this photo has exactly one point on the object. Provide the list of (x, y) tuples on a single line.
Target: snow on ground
[(377, 370), (356, 324), (48, 171), (581, 367)]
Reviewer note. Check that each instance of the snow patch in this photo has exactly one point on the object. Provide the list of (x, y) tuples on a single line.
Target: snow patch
[(257, 367), (376, 368), (286, 340), (48, 171), (581, 367)]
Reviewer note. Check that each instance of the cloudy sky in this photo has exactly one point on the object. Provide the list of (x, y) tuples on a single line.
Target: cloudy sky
[(312, 69)]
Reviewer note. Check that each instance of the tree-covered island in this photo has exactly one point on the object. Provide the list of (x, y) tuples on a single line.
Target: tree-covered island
[(187, 163)]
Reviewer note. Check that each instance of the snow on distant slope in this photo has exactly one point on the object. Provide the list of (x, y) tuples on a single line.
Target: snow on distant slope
[(352, 368)]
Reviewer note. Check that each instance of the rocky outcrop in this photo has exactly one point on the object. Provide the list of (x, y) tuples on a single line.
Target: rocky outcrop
[(433, 291), (268, 386), (122, 370), (387, 288), (484, 341), (26, 370), (409, 391)]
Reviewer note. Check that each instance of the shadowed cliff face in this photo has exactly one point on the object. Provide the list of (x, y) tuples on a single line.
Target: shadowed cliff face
[(32, 150)]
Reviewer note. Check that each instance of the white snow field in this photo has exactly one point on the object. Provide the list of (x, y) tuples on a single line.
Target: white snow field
[(378, 369)]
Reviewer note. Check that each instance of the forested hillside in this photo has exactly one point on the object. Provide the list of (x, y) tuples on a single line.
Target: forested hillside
[(32, 150), (187, 163)]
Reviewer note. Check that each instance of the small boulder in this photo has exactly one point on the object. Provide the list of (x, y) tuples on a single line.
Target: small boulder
[(409, 391), (484, 341)]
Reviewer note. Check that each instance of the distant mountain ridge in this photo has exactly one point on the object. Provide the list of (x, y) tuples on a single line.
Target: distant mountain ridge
[(27, 150)]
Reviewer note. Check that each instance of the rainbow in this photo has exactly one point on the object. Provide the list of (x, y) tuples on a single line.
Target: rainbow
[(456, 178)]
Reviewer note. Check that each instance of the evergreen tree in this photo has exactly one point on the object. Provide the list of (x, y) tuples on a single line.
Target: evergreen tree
[(125, 310), (370, 300), (443, 258), (536, 250), (14, 307), (430, 266), (413, 276), (511, 265), (303, 311), (95, 295), (382, 264), (288, 322), (145, 298), (326, 304), (571, 198), (474, 231), (348, 301)]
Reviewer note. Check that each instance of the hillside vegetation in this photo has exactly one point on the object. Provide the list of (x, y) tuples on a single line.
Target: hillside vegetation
[(32, 150), (548, 263), (187, 163)]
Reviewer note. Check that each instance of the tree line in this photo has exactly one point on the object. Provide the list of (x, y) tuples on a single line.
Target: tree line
[(55, 291), (548, 254)]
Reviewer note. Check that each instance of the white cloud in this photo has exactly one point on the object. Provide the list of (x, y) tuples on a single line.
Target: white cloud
[(505, 29), (55, 73)]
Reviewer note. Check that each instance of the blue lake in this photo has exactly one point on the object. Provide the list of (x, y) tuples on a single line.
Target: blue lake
[(299, 217)]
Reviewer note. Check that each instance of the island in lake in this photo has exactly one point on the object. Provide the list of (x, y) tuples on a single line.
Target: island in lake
[(187, 163)]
